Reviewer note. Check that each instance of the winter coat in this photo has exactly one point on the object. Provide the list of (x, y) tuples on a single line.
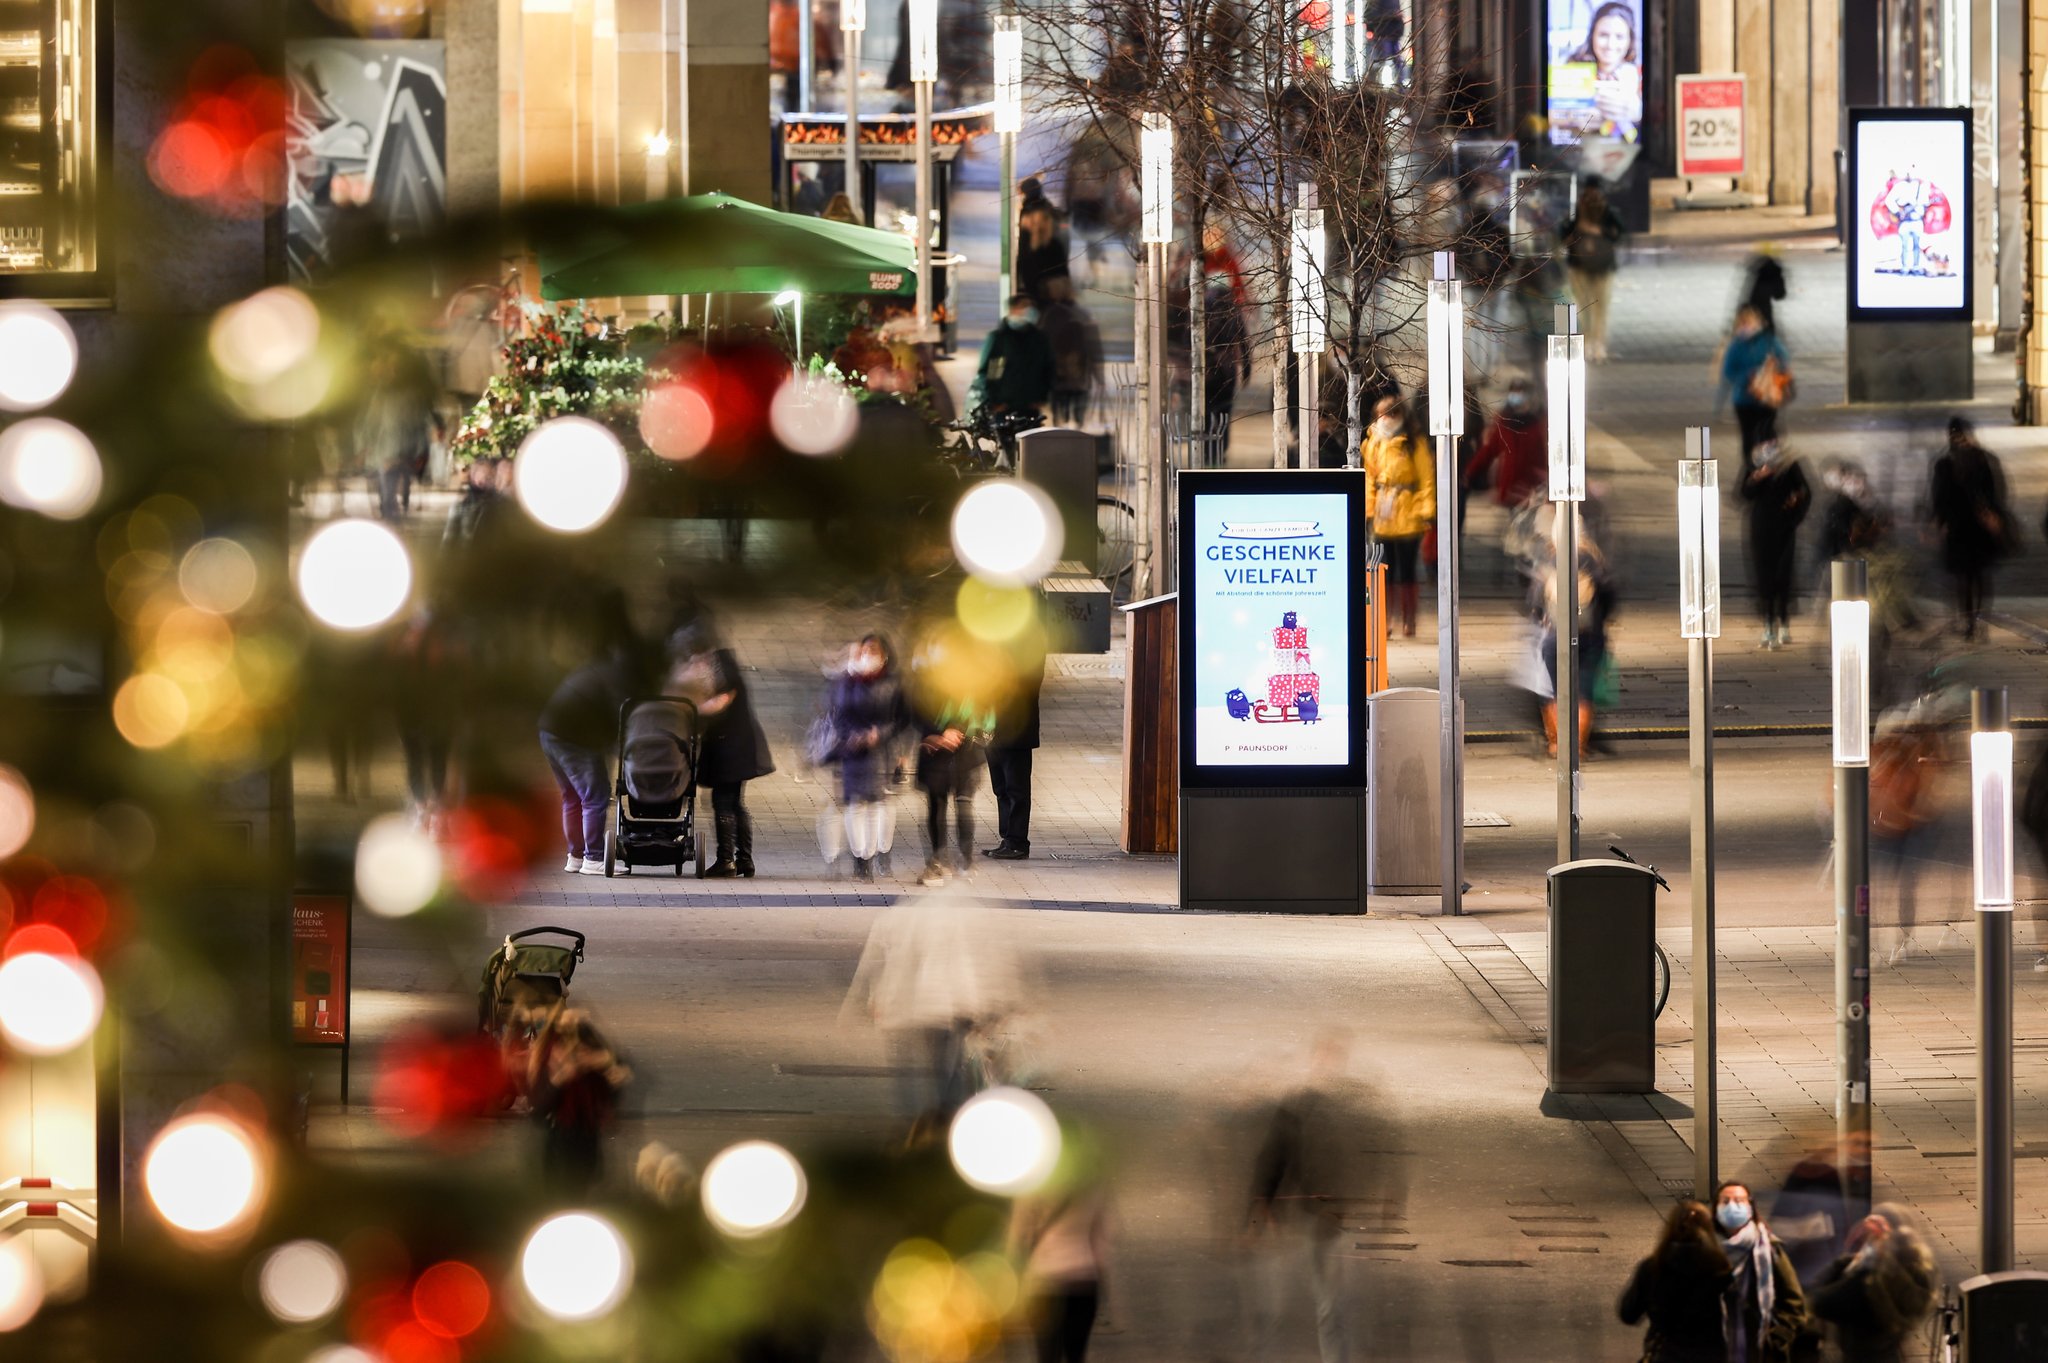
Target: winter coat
[(1517, 449), (860, 707), (1776, 1338), (1016, 368), (1589, 248), (734, 748), (1968, 502), (1076, 345), (1400, 486), (1679, 1290), (933, 961), (584, 709), (1778, 501), (1742, 359), (1878, 1300)]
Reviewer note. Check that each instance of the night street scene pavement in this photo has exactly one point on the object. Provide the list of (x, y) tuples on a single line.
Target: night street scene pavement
[(614, 751)]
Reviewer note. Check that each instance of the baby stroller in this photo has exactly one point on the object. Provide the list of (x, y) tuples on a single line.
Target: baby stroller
[(657, 787), (526, 974)]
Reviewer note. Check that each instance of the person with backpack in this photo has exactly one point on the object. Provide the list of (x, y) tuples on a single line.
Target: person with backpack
[(1591, 259)]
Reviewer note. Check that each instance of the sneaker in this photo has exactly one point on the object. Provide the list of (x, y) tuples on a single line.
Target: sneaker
[(592, 866), (574, 864), (1784, 636), (1769, 641), (935, 873)]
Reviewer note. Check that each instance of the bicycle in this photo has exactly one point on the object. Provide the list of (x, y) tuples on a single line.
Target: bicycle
[(987, 440), (1660, 964)]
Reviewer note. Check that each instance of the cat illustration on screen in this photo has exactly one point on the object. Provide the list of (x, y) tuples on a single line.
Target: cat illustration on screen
[(1287, 620), (1305, 706), (1239, 704)]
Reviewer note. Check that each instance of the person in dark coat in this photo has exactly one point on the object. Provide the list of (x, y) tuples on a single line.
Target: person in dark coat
[(1755, 376), (1076, 352), (1775, 487), (1967, 499), (1679, 1288), (1766, 287), (1227, 362), (573, 1078), (955, 725), (1043, 250), (1015, 373), (1764, 1308), (866, 709), (732, 750), (1877, 1295), (578, 727), (1014, 741)]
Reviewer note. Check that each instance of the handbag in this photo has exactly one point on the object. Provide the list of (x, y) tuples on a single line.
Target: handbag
[(1771, 384), (1606, 687)]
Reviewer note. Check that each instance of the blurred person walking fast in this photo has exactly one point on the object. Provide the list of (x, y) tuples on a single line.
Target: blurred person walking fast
[(1775, 489), (1592, 256), (1014, 742), (1756, 376), (733, 748), (866, 710), (1514, 454), (1679, 1290), (1060, 1241), (956, 725), (1016, 369), (1076, 352), (1764, 1313), (1400, 499), (1967, 501), (573, 1078), (1876, 1296)]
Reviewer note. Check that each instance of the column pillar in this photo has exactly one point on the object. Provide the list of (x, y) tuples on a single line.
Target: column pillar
[(1789, 97), (1753, 52), (2034, 337), (643, 99), (1824, 103), (2009, 53), (725, 133)]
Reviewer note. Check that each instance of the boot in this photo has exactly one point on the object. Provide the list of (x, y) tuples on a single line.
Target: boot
[(723, 868), (1585, 728), (743, 845), (1550, 727)]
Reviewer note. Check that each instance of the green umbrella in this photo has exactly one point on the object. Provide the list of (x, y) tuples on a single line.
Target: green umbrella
[(714, 243)]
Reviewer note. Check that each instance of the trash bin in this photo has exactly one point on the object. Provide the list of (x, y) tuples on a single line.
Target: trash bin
[(2005, 1318), (1061, 461), (1404, 784), (1603, 926)]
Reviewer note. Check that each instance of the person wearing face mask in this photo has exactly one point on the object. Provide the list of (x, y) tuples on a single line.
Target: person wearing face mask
[(867, 710), (1516, 450), (1763, 1310), (1016, 370), (1756, 374), (1400, 497)]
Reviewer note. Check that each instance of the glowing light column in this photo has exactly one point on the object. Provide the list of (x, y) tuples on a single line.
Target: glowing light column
[(1849, 636), (1567, 380), (1009, 121), (1447, 423), (1991, 866), (924, 74), (853, 22), (1699, 624), (1155, 230)]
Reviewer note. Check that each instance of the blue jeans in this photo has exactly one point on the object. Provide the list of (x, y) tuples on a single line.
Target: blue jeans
[(586, 793)]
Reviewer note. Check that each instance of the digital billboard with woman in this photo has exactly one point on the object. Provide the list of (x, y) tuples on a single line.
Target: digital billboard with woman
[(1596, 70)]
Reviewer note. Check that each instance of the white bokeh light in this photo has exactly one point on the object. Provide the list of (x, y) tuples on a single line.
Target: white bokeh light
[(570, 474), (218, 575), (203, 1174), (753, 1188), (575, 1266), (21, 1285), (1005, 1141), (49, 466), (264, 335), (1007, 531), (398, 867), (17, 811), (813, 415), (48, 1004), (302, 1282), (38, 356), (354, 574)]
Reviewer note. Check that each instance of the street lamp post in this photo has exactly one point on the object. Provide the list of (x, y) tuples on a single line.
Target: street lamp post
[(853, 23), (1308, 326), (1849, 632), (1447, 422), (924, 74), (1567, 383), (1991, 858), (1699, 623), (1155, 166), (1009, 121)]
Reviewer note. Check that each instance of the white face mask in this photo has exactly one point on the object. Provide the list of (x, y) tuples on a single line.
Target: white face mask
[(1386, 428)]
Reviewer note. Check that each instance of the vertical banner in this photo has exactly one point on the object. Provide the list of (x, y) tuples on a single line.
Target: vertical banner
[(1712, 139), (1909, 215), (320, 960)]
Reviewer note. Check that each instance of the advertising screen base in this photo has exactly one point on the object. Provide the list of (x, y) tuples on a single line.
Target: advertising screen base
[(1911, 362), (1278, 851)]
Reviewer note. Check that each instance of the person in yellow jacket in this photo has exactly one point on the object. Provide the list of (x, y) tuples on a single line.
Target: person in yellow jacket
[(1400, 498)]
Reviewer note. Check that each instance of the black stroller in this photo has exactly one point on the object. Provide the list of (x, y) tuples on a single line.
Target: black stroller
[(526, 974), (656, 797)]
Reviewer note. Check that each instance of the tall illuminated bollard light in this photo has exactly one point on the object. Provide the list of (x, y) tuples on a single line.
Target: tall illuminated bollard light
[(924, 73), (1008, 119), (1308, 324), (853, 23), (1155, 231), (1991, 864), (1699, 624), (1567, 419), (1446, 328), (1849, 637)]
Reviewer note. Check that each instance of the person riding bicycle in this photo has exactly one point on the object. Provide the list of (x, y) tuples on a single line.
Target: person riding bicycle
[(1015, 373)]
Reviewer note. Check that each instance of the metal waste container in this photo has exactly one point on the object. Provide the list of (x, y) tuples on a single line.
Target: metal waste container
[(1061, 461), (1603, 926), (2005, 1318), (1404, 781)]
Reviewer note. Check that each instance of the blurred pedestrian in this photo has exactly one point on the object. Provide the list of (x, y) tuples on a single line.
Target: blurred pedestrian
[(477, 505), (1592, 256), (1852, 521), (1014, 742), (573, 1078), (1015, 372), (1076, 352), (1765, 287), (733, 748), (1400, 499), (839, 208), (1808, 1215), (394, 431), (1514, 454), (1060, 1239), (956, 725), (578, 728), (1043, 251), (1775, 489), (866, 711), (1596, 598), (429, 682), (1878, 1294), (1765, 1310), (1907, 758), (1679, 1290), (1756, 375), (1967, 501), (1226, 365)]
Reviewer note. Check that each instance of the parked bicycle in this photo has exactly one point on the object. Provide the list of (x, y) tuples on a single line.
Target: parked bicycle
[(1660, 964), (987, 440)]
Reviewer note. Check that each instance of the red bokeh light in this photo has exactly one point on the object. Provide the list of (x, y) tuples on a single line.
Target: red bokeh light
[(74, 905), (188, 160), (491, 842), (225, 142), (413, 1342), (451, 1299), (440, 1086), (40, 937)]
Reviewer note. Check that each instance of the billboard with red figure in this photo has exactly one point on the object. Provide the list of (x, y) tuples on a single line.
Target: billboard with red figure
[(1909, 181)]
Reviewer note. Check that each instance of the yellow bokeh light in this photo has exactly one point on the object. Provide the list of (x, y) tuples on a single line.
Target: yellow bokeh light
[(992, 613), (218, 575), (151, 710)]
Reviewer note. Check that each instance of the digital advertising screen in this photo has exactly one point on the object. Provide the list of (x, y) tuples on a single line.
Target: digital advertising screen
[(1596, 63), (1272, 606), (1909, 208)]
